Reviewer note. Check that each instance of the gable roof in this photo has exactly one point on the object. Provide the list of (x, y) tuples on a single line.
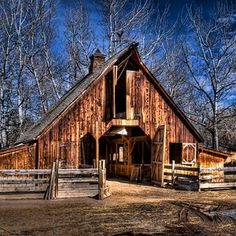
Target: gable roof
[(81, 86)]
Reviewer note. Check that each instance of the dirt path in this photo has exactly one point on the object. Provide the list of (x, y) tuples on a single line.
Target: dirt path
[(131, 210)]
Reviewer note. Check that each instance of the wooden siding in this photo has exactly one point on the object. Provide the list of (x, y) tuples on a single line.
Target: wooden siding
[(154, 111), (62, 139), (210, 158), (22, 157), (87, 114)]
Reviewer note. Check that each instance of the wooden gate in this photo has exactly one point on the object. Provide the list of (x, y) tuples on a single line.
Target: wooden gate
[(158, 155)]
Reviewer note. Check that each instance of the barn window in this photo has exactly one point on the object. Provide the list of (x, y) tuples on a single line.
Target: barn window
[(176, 152), (120, 97), (189, 153), (183, 153), (109, 97)]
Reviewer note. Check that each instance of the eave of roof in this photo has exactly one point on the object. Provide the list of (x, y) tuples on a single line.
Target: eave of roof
[(214, 151)]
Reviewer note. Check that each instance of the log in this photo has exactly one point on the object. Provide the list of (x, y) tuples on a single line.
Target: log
[(21, 196), (77, 187), (178, 167), (23, 181), (78, 180), (71, 194), (26, 172), (78, 171), (225, 169), (22, 188), (216, 185)]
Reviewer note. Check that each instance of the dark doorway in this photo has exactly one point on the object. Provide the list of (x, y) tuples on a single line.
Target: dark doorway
[(121, 97), (88, 150), (141, 153), (175, 152)]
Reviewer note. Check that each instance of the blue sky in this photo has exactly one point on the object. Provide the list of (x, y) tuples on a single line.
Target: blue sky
[(176, 7)]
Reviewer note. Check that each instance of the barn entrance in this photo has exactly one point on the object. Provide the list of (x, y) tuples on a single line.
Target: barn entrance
[(87, 150), (127, 151)]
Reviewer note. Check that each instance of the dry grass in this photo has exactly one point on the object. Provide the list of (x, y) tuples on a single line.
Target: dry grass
[(131, 210)]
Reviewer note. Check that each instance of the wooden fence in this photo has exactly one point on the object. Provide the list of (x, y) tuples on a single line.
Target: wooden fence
[(195, 178), (180, 176), (54, 183), (24, 183), (217, 178)]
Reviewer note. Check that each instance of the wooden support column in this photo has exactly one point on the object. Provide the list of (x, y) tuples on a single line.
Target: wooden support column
[(97, 145), (103, 188), (131, 144), (107, 155), (142, 153), (114, 76)]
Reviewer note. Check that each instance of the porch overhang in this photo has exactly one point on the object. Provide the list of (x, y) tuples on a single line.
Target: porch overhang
[(122, 123)]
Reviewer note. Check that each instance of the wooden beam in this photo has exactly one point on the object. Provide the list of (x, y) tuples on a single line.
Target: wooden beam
[(97, 144), (225, 169), (122, 70), (26, 172), (78, 171), (132, 146), (139, 138), (130, 150), (114, 73), (128, 96), (217, 185)]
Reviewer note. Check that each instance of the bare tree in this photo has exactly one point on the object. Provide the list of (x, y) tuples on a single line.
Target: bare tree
[(171, 72), (22, 25), (79, 41), (41, 64), (210, 59), (120, 19)]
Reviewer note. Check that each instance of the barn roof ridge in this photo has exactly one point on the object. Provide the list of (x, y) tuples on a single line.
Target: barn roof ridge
[(81, 86)]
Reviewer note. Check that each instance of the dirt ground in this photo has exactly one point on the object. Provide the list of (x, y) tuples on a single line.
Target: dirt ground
[(133, 209)]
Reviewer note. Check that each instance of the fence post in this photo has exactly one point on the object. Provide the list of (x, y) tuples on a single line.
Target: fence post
[(173, 171), (50, 191), (199, 177), (101, 179), (57, 164)]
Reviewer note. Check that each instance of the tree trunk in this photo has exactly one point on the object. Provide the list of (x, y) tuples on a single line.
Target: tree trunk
[(215, 137)]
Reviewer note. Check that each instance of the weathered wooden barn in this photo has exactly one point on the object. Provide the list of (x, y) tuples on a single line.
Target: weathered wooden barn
[(118, 112)]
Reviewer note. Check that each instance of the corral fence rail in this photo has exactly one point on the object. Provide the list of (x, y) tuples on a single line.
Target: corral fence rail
[(23, 182), (198, 178), (55, 182), (217, 178)]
